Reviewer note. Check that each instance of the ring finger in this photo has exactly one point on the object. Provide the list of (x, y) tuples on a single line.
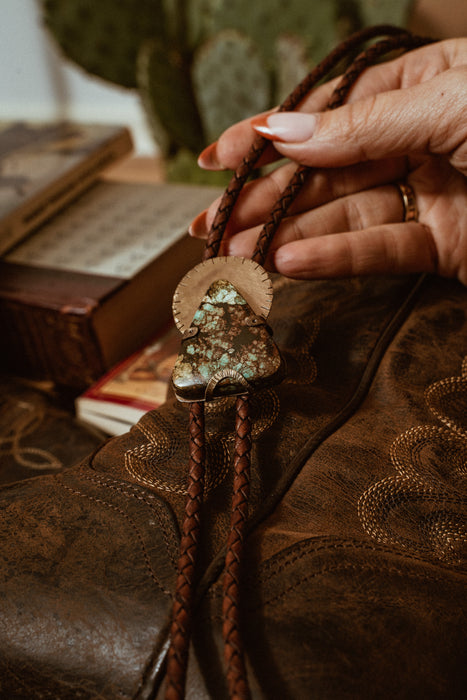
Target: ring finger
[(354, 212), (322, 186)]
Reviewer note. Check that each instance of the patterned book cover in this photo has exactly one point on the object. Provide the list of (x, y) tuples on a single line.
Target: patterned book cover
[(45, 166), (133, 387), (96, 282)]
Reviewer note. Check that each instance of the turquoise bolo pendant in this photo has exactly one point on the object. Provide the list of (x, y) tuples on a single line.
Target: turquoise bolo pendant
[(221, 307)]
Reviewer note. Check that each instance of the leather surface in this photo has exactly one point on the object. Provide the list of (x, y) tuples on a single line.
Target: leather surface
[(355, 572), (38, 434)]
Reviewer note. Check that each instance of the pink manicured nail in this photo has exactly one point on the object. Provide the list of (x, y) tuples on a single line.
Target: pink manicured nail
[(207, 159), (198, 228), (292, 127)]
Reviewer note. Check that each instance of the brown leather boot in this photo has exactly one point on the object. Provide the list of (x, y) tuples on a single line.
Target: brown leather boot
[(354, 577)]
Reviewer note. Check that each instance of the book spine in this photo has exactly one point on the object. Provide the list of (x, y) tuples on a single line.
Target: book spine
[(48, 344)]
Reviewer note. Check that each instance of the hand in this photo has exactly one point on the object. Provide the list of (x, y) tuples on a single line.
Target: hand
[(405, 120)]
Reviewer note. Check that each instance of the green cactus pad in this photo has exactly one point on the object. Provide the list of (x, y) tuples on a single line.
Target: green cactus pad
[(183, 167), (230, 81), (263, 22), (292, 63), (103, 36), (164, 81), (385, 11)]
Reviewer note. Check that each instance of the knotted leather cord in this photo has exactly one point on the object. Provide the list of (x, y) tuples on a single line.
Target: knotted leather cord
[(183, 600)]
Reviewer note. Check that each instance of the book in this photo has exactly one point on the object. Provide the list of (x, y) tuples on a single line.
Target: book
[(131, 388), (97, 281), (45, 166)]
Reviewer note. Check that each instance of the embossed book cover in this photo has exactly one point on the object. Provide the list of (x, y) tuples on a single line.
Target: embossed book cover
[(45, 166), (96, 282), (136, 385)]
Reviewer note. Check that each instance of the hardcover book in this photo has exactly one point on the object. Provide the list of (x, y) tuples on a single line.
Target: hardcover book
[(96, 282), (136, 385), (43, 167)]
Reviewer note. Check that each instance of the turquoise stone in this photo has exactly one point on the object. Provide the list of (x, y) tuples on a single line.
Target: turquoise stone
[(232, 352)]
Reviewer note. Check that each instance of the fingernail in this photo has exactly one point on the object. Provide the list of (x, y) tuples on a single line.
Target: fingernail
[(285, 126), (207, 159), (197, 228)]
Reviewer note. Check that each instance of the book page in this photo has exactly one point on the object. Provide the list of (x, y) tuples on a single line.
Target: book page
[(115, 229)]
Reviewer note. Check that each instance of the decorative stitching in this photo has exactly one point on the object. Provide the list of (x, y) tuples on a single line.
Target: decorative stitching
[(422, 495), (166, 526), (327, 569), (135, 528), (24, 418), (350, 567), (143, 460)]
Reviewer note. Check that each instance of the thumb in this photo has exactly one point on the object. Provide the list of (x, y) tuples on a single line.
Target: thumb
[(425, 118)]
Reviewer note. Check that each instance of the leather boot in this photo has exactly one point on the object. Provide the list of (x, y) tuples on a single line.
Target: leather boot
[(354, 577)]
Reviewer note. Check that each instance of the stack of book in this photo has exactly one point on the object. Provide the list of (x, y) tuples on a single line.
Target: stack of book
[(134, 386), (88, 266)]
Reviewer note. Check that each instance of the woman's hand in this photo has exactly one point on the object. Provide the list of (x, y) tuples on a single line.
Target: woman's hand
[(406, 120)]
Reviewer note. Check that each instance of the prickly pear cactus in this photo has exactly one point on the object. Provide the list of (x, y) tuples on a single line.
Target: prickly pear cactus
[(201, 65), (230, 81), (264, 22), (385, 12), (104, 36), (292, 64), (163, 78)]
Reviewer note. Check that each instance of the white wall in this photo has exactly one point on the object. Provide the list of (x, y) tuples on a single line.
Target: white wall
[(35, 83)]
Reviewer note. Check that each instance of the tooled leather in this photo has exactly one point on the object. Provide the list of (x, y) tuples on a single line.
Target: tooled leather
[(368, 389), (365, 614), (428, 486), (89, 592), (37, 436), (356, 622)]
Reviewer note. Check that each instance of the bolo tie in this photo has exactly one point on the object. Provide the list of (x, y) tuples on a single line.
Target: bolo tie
[(227, 350)]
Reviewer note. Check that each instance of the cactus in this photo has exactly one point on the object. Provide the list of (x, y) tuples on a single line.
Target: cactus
[(384, 11), (265, 21), (164, 81), (292, 64), (229, 80), (200, 65), (104, 37)]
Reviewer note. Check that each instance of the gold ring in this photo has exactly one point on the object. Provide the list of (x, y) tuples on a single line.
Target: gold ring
[(408, 200)]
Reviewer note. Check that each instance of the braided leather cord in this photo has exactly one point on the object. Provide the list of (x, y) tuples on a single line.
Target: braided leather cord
[(233, 647), (180, 631), (365, 59), (181, 620), (258, 147)]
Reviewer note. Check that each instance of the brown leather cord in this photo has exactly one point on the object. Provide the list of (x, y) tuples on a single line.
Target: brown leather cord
[(181, 622), (233, 647), (321, 71), (365, 59), (180, 631)]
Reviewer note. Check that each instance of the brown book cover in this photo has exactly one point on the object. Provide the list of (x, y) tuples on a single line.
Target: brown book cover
[(43, 167), (134, 386), (96, 282)]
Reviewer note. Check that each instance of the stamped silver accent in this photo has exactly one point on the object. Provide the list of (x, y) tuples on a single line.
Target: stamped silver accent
[(248, 277)]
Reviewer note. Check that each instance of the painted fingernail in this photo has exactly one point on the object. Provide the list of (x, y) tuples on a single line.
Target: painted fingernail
[(285, 126), (198, 228), (207, 159)]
